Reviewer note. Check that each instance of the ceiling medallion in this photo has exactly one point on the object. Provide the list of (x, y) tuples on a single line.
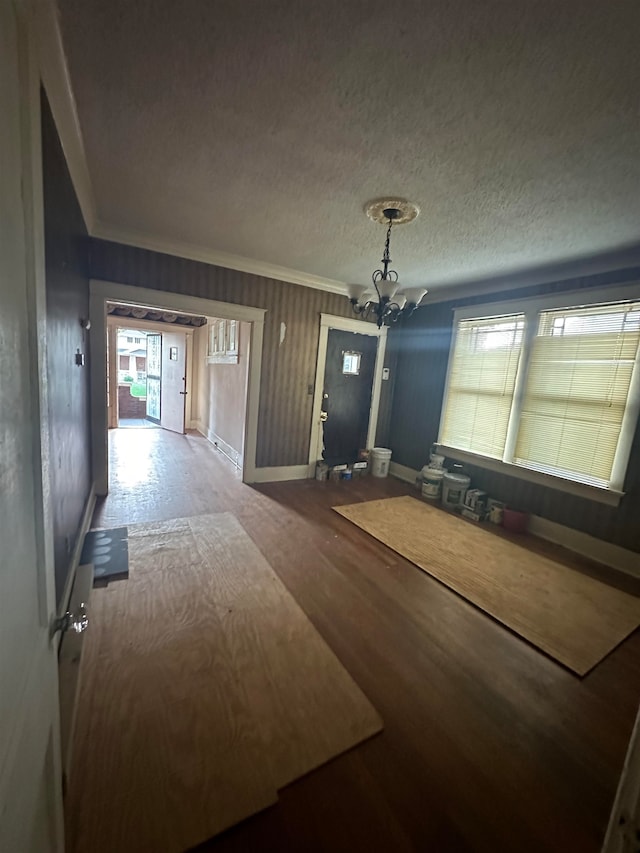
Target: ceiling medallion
[(406, 210), (384, 301)]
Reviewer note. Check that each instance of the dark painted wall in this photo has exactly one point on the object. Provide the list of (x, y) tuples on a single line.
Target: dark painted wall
[(288, 368), (67, 286), (422, 344)]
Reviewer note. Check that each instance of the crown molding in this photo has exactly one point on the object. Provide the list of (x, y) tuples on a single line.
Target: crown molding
[(54, 74), (216, 258)]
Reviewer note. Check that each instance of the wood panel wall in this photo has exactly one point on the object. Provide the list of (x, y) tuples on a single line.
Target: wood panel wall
[(67, 289), (288, 368), (422, 347)]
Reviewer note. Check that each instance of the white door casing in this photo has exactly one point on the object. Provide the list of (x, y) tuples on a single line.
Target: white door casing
[(328, 321), (30, 767)]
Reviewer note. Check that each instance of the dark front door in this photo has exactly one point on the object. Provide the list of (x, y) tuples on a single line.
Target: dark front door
[(348, 385)]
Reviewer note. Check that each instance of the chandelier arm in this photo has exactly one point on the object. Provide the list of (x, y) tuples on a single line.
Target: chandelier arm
[(375, 278)]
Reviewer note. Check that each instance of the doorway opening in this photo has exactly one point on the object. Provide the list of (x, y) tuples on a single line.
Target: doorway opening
[(201, 369), (132, 379), (149, 367)]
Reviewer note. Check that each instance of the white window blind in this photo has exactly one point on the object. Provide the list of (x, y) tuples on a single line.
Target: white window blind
[(576, 391), (481, 383)]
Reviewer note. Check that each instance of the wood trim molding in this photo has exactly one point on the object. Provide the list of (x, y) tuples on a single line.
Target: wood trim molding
[(281, 473), (588, 546), (402, 472), (611, 497), (359, 327), (54, 74), (167, 246), (233, 455), (103, 291)]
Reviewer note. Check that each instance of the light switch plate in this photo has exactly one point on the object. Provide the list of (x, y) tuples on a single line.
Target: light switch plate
[(385, 372)]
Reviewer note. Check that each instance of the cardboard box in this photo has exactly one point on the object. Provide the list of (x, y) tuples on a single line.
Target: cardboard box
[(475, 499), (473, 516)]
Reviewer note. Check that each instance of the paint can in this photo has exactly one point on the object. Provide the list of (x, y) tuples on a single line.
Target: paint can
[(380, 459), (454, 488), (322, 471), (514, 520), (495, 509), (432, 483)]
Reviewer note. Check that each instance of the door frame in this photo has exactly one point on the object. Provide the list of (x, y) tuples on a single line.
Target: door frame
[(345, 324), (102, 292)]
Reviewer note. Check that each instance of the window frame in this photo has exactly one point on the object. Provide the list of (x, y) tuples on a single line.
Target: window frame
[(531, 308), (223, 341)]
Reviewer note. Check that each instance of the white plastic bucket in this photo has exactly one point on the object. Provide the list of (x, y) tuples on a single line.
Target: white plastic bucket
[(380, 458), (454, 488), (432, 483)]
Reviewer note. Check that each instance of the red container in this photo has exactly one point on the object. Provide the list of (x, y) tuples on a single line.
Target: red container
[(514, 520)]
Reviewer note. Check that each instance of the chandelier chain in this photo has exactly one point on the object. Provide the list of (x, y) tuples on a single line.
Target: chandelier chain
[(385, 308)]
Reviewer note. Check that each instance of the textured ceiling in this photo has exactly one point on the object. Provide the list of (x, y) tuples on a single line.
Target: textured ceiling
[(262, 129)]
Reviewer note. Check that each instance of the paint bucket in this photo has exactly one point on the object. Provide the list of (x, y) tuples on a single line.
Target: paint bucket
[(380, 458), (432, 483), (454, 488)]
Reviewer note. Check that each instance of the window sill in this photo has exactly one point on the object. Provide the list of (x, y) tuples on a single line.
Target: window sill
[(581, 490)]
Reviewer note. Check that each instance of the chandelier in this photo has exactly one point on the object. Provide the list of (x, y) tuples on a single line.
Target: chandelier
[(385, 302)]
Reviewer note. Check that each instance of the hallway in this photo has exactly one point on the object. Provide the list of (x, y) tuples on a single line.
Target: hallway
[(156, 474), (488, 745)]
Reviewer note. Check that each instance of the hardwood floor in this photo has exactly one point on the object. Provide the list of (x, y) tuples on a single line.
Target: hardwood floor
[(488, 745)]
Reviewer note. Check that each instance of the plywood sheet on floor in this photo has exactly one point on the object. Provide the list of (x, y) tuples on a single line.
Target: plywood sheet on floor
[(574, 618), (205, 689)]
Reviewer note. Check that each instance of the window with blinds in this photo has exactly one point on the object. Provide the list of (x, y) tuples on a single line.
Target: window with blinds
[(556, 390), (481, 383), (577, 387)]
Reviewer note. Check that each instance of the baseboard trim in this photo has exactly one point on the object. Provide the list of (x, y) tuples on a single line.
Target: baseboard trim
[(402, 472), (74, 562), (220, 444), (281, 473), (610, 555), (587, 546)]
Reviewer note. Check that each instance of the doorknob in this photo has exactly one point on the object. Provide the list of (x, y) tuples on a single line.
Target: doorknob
[(77, 621), (184, 393)]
